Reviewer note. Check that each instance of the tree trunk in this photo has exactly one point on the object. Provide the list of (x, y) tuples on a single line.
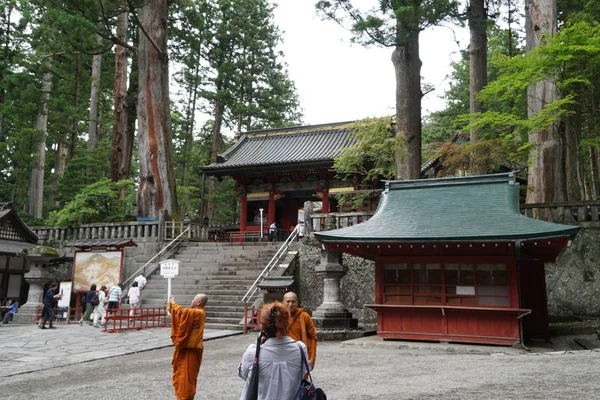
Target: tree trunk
[(546, 178), (94, 100), (157, 180), (214, 152), (75, 123), (122, 145), (407, 66), (595, 173), (478, 70), (36, 191), (574, 174), (132, 98)]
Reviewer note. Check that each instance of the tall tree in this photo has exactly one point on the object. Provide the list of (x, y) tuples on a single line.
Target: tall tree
[(122, 147), (478, 60), (36, 191), (397, 24), (157, 188)]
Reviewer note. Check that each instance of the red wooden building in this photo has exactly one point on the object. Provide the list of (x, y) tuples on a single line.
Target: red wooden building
[(455, 260), (277, 170)]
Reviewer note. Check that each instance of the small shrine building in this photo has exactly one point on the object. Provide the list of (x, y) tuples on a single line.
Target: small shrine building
[(278, 170), (455, 260)]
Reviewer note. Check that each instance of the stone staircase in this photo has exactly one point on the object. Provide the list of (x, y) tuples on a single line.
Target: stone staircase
[(223, 271)]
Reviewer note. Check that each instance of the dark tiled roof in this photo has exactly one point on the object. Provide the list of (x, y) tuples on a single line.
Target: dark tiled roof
[(310, 145), (103, 242), (474, 208)]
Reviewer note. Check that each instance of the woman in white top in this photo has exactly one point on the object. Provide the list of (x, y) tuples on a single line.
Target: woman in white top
[(280, 362), (134, 298), (99, 310)]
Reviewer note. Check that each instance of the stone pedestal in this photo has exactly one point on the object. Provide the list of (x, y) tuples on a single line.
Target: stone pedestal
[(37, 277), (332, 314)]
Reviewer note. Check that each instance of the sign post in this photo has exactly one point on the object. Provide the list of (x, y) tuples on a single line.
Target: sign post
[(169, 269), (261, 224)]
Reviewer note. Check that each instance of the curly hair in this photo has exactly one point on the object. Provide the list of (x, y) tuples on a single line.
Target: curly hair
[(275, 319)]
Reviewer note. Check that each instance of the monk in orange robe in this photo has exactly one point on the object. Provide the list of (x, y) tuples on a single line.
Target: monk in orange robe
[(298, 318), (187, 332)]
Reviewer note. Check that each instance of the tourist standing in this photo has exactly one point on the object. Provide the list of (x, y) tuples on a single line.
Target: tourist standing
[(281, 367), (187, 334), (301, 326), (50, 299), (272, 231)]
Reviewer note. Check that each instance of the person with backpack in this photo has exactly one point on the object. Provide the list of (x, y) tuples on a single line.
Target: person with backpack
[(99, 303), (88, 304)]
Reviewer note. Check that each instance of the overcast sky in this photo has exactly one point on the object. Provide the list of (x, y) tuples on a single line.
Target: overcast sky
[(339, 81)]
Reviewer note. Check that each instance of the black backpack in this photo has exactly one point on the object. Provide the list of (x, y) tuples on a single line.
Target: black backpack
[(95, 300)]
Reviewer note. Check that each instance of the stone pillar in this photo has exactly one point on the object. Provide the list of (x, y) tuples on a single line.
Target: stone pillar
[(308, 228), (37, 277), (332, 314)]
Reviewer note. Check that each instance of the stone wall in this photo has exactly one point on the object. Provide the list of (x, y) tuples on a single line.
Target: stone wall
[(573, 282)]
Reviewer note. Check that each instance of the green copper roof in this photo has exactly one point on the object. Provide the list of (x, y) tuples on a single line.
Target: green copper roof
[(474, 208)]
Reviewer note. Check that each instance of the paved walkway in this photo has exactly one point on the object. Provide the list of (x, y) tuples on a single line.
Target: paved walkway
[(26, 348)]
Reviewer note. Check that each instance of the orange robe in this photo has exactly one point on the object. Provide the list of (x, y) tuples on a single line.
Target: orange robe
[(187, 331), (295, 331)]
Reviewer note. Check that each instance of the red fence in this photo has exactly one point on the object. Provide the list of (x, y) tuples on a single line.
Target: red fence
[(135, 318), (251, 318)]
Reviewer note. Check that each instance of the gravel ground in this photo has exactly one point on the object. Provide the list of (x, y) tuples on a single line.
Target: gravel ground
[(345, 372)]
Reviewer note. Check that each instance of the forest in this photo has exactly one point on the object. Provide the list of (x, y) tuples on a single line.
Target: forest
[(109, 108)]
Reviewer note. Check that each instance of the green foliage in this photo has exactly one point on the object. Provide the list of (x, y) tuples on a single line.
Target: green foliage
[(98, 202), (372, 156), (224, 202)]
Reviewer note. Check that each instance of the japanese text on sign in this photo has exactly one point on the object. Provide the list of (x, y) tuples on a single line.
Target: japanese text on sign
[(169, 268)]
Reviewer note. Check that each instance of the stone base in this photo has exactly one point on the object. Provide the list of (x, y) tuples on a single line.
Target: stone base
[(324, 335), (335, 323), (26, 315)]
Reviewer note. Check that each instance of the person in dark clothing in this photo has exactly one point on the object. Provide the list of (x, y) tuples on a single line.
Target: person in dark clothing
[(89, 307), (49, 301)]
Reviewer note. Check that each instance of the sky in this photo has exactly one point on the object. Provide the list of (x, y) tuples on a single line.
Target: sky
[(340, 81)]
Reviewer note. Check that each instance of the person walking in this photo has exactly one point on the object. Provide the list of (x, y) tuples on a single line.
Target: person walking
[(141, 281), (49, 302), (89, 307), (114, 296), (99, 309), (187, 334), (301, 326), (280, 362), (134, 298)]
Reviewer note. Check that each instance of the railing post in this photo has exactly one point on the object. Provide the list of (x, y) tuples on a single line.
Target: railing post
[(163, 214)]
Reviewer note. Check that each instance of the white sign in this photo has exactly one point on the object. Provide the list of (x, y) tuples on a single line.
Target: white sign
[(169, 268)]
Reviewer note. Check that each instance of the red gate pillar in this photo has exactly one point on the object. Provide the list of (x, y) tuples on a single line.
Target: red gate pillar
[(325, 201), (243, 212)]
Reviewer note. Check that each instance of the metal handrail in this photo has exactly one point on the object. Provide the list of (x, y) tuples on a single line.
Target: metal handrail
[(157, 254), (270, 265)]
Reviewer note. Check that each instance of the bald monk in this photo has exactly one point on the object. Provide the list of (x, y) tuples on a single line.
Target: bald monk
[(187, 332), (297, 314)]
